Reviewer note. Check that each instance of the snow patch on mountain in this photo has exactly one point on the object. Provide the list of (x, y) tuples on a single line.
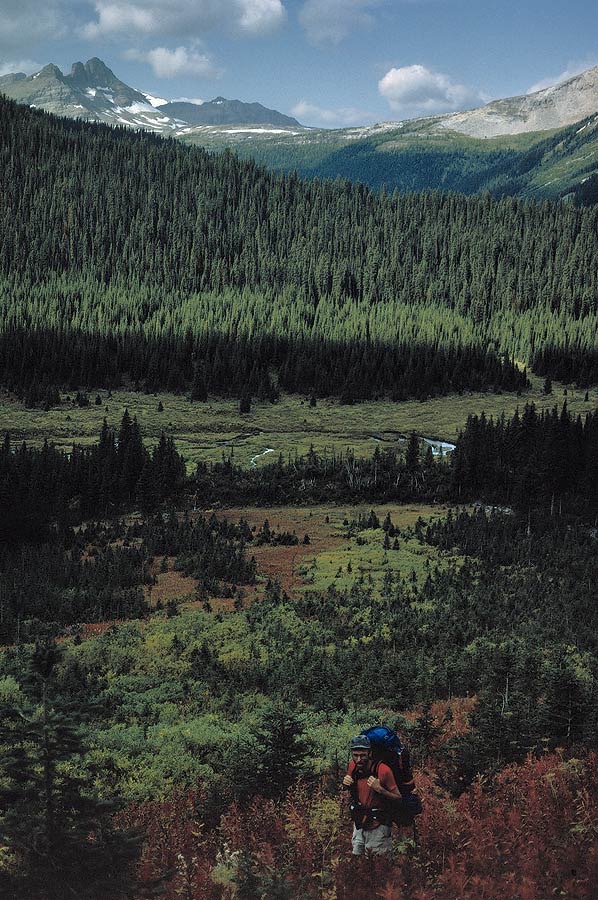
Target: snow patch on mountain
[(154, 101)]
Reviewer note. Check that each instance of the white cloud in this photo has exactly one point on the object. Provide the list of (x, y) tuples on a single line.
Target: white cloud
[(181, 61), (311, 114), (196, 100), (28, 66), (192, 18), (260, 16), (332, 20), (573, 68), (418, 91)]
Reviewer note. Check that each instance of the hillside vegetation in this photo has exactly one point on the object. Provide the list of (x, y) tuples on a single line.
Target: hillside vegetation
[(183, 659), (127, 256), (418, 156)]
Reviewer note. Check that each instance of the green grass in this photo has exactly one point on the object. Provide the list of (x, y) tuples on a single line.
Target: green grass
[(363, 555), (332, 556), (206, 431)]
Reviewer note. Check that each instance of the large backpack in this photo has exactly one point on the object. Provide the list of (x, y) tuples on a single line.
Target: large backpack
[(387, 748)]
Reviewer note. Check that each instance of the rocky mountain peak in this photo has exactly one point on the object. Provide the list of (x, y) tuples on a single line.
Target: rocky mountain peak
[(50, 70), (98, 72), (553, 107), (78, 75)]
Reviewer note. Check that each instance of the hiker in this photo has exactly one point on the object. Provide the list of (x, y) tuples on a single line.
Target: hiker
[(370, 786)]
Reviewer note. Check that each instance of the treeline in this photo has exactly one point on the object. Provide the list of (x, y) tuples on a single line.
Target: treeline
[(40, 487), (569, 364), (546, 458), (128, 214), (34, 363), (320, 477)]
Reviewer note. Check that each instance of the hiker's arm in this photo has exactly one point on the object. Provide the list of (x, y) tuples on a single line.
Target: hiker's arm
[(375, 785)]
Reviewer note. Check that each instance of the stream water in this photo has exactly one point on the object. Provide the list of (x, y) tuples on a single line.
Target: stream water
[(252, 461), (439, 448)]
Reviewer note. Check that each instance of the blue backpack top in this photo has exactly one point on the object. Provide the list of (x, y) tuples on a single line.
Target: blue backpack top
[(382, 738)]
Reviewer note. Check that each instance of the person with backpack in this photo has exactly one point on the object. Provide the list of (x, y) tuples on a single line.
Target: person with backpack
[(381, 786)]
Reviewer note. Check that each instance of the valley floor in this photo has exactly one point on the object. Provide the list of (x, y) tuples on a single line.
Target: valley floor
[(207, 431)]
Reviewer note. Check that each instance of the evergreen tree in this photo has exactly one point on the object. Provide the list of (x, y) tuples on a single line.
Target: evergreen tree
[(57, 832), (199, 390), (282, 749), (412, 453), (245, 403)]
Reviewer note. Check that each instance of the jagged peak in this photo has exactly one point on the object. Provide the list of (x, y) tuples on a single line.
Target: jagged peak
[(51, 69), (96, 68), (79, 73)]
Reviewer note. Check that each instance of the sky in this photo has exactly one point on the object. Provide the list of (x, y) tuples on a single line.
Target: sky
[(330, 63)]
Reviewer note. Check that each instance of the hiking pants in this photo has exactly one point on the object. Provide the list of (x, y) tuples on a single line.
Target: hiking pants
[(378, 840)]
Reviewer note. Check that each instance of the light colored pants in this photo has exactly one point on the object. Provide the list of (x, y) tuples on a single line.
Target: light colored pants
[(378, 840)]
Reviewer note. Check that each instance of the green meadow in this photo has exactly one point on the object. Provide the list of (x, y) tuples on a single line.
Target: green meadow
[(207, 431), (338, 554)]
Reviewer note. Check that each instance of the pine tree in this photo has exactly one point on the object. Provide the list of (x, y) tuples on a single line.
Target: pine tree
[(412, 453), (283, 749), (199, 390), (245, 403), (57, 832)]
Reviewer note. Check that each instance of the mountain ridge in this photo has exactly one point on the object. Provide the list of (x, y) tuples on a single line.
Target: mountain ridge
[(556, 106), (221, 111), (93, 92)]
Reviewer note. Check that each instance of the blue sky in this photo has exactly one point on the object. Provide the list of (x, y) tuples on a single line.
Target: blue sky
[(329, 62)]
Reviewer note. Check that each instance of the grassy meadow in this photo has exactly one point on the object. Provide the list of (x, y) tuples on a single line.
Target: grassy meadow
[(206, 431), (332, 557)]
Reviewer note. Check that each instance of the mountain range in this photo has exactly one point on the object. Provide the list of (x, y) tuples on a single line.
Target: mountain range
[(92, 91), (543, 144)]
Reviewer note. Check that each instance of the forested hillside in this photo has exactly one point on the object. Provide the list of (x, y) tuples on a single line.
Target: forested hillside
[(417, 155), (124, 255)]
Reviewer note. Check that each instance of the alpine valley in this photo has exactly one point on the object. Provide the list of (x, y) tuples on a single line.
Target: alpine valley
[(283, 458), (543, 144)]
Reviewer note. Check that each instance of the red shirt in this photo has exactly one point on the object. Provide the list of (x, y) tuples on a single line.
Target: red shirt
[(366, 795)]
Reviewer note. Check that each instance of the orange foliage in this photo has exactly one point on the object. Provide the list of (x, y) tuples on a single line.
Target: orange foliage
[(531, 834)]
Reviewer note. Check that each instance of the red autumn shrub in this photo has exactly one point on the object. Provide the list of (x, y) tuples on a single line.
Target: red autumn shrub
[(530, 834)]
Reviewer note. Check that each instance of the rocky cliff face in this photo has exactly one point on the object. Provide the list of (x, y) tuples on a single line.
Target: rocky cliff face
[(554, 107)]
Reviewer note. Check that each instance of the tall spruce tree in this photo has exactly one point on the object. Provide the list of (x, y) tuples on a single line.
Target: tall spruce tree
[(283, 750), (57, 833)]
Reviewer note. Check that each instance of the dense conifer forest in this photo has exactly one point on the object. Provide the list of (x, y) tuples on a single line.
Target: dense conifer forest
[(131, 257)]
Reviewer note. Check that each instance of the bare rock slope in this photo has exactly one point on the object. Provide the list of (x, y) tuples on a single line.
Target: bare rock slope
[(554, 107)]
